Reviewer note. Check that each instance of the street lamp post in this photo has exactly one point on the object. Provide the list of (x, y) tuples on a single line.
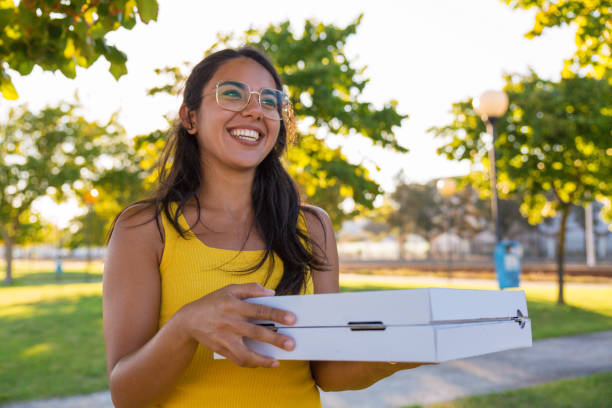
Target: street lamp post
[(492, 105), (447, 188)]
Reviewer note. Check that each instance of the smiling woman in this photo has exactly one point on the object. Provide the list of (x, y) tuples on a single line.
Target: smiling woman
[(225, 224)]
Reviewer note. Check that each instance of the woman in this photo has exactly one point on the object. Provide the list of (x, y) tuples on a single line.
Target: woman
[(224, 225)]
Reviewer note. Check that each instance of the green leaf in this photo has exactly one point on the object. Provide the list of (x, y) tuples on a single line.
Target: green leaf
[(69, 51), (129, 22), (117, 60), (118, 69), (55, 31), (25, 66), (7, 89), (6, 16), (147, 9), (592, 19), (113, 55), (29, 36), (98, 31), (68, 69)]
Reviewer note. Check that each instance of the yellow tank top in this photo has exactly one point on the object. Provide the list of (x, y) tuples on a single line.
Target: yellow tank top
[(190, 269)]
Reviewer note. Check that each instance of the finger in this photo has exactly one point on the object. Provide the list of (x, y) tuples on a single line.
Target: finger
[(263, 312), (249, 290), (225, 352), (259, 333), (247, 358)]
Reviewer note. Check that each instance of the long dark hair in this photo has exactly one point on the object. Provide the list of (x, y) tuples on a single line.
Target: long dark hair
[(276, 200)]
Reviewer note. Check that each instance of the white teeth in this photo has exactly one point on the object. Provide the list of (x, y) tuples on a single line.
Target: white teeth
[(245, 134)]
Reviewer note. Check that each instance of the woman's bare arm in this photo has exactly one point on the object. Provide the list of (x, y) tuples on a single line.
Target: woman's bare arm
[(144, 363), (340, 375)]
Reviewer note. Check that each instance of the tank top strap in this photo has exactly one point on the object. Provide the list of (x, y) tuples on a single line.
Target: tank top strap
[(171, 235), (302, 226)]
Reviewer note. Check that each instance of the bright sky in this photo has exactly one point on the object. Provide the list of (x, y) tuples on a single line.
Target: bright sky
[(425, 54)]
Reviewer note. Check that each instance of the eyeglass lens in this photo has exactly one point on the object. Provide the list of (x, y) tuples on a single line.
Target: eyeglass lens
[(235, 96)]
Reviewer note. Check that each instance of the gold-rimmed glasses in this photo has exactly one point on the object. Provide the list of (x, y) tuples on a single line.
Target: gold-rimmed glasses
[(236, 95)]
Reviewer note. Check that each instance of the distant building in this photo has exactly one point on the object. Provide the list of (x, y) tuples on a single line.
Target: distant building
[(575, 246), (449, 243), (538, 242)]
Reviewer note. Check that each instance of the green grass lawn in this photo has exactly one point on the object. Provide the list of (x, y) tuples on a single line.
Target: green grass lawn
[(36, 272), (589, 391), (52, 342), (52, 336)]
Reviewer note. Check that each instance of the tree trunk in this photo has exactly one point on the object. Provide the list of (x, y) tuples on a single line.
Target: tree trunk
[(561, 252), (401, 236), (8, 256)]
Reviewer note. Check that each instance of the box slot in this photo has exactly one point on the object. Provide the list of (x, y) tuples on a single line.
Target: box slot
[(370, 325)]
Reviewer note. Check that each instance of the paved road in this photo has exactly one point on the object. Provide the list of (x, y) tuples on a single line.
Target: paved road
[(547, 360)]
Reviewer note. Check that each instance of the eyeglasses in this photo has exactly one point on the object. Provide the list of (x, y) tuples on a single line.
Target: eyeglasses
[(235, 96)]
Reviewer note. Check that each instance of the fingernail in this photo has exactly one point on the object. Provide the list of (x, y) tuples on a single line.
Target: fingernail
[(289, 319), (288, 344), (275, 364), (270, 291)]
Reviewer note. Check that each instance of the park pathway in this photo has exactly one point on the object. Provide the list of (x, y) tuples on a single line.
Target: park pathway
[(547, 360)]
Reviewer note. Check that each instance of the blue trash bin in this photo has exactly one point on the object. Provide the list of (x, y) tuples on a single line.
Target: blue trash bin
[(507, 258), (58, 266)]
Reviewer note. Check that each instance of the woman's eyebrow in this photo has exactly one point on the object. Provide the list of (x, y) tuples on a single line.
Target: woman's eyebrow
[(237, 83)]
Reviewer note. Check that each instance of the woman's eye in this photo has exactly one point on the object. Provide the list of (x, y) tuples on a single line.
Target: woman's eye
[(231, 94), (268, 103)]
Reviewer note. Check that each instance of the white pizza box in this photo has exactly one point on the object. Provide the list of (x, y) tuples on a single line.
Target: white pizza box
[(412, 325)]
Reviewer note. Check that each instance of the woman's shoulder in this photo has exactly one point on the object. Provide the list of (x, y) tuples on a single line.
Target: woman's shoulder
[(312, 212), (139, 226), (140, 214), (325, 275), (318, 222)]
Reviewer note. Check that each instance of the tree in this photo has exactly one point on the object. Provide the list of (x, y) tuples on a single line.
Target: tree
[(54, 152), (325, 89), (116, 189), (593, 33), (61, 35), (464, 212), (415, 207), (553, 147), (376, 229), (421, 209)]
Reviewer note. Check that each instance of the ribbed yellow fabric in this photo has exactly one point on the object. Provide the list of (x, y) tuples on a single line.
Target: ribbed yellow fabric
[(189, 270)]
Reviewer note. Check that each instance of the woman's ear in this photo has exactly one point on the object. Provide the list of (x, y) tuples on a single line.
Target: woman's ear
[(188, 119)]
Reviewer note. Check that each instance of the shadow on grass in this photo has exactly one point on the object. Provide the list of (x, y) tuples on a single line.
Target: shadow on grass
[(40, 278), (52, 348), (548, 319)]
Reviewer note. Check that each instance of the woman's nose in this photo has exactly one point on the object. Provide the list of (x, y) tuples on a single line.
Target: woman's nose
[(253, 108)]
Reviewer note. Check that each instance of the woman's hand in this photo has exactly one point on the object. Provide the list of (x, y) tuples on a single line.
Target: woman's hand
[(220, 320)]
